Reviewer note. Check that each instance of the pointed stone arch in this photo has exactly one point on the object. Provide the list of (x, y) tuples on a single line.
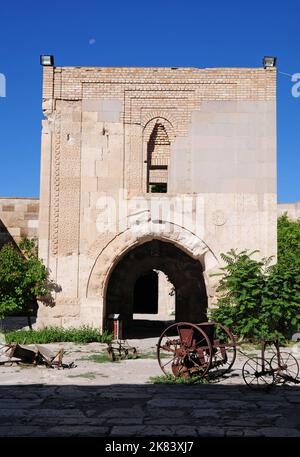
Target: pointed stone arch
[(168, 115), (127, 240), (113, 252), (164, 121)]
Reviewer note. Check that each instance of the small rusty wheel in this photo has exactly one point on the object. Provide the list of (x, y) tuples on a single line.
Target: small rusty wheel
[(223, 348), (258, 374), (184, 350), (286, 368)]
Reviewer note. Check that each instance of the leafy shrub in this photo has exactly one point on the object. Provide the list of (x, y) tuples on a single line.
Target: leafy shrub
[(23, 279), (46, 335), (258, 300), (288, 242)]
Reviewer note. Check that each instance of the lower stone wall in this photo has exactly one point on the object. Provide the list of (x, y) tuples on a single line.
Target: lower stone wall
[(19, 217), (292, 210)]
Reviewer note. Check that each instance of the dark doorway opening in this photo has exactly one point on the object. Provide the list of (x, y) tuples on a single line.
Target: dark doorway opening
[(145, 298), (131, 288)]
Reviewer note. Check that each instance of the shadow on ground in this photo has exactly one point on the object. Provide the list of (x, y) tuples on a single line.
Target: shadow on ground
[(11, 323), (148, 410), (143, 328)]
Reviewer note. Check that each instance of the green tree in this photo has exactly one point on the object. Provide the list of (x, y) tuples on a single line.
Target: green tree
[(240, 293), (288, 242), (259, 300), (23, 279)]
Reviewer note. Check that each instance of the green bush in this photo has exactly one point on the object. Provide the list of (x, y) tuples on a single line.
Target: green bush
[(23, 279), (46, 335), (288, 242), (258, 300)]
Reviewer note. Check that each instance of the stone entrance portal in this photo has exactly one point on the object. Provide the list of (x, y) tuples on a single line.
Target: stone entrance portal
[(150, 171), (133, 284)]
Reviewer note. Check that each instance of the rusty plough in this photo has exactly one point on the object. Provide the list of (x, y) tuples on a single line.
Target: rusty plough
[(33, 355)]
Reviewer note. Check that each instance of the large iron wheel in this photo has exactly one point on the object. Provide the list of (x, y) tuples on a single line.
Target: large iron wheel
[(257, 373), (286, 368), (223, 348), (184, 350)]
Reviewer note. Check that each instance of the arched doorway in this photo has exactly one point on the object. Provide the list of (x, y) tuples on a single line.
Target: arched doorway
[(136, 271)]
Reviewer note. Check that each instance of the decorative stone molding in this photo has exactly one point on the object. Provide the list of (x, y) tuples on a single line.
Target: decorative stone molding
[(218, 217), (56, 183), (132, 237)]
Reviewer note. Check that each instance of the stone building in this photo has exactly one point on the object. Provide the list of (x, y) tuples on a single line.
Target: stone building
[(291, 209), (147, 176), (19, 217)]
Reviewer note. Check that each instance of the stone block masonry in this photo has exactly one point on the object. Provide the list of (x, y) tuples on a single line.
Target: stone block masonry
[(19, 217), (204, 135), (291, 209)]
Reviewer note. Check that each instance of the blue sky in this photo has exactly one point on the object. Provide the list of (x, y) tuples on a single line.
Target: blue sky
[(135, 33)]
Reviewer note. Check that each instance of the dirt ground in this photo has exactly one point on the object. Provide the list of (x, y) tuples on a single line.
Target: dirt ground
[(89, 370)]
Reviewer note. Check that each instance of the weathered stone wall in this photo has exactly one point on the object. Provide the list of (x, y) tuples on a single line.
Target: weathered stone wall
[(19, 220), (292, 210), (220, 128), (19, 217)]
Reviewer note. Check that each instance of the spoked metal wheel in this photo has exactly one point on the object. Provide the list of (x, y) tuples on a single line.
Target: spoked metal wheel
[(184, 350), (285, 366), (258, 374), (223, 348)]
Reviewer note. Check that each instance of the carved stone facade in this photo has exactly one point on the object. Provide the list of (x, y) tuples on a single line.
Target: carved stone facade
[(152, 169)]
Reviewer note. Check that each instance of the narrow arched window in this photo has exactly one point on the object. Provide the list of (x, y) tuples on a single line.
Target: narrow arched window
[(158, 157)]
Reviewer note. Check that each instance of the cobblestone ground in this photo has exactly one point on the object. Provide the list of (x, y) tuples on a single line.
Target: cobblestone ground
[(116, 399)]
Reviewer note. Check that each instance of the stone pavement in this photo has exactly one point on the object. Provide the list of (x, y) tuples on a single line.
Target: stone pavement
[(115, 399), (148, 410)]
